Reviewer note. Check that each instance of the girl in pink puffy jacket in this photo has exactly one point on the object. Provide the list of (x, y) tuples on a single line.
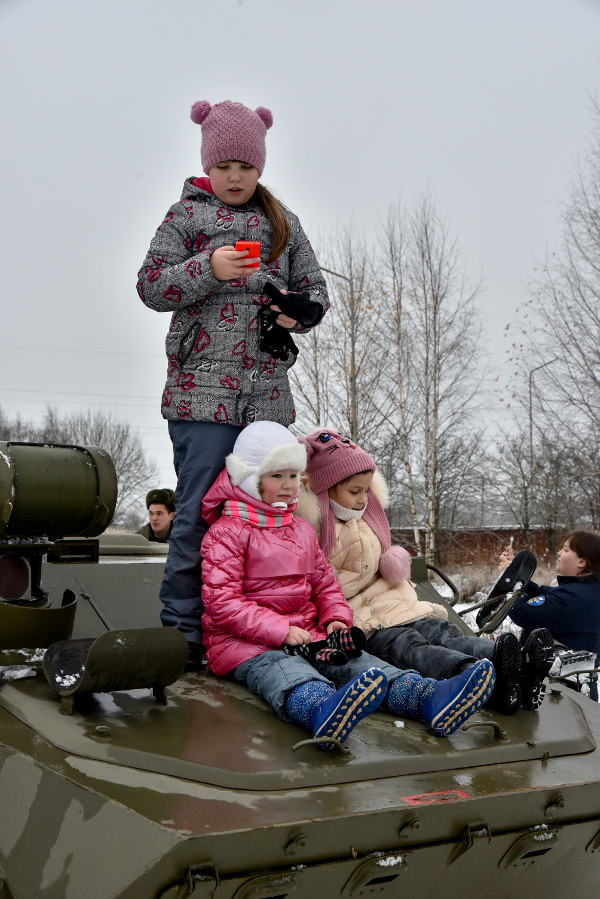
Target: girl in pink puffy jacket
[(344, 504), (276, 618)]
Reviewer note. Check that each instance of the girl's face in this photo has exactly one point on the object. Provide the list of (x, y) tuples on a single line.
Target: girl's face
[(569, 563), (352, 494), (233, 182), (279, 486)]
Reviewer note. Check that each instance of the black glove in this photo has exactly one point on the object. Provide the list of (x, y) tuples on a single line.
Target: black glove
[(298, 306), (274, 340)]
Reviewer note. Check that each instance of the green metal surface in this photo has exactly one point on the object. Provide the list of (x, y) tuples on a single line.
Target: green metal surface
[(261, 757), (34, 625), (55, 490), (118, 660), (155, 827)]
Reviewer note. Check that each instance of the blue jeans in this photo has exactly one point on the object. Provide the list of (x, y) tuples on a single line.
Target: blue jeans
[(199, 451), (432, 646), (273, 675)]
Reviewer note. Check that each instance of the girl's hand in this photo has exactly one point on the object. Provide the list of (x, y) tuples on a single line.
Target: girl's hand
[(227, 264), (506, 558), (297, 636), (282, 319), (335, 626)]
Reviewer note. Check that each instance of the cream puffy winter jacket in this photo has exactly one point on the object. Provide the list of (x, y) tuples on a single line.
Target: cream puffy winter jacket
[(355, 557)]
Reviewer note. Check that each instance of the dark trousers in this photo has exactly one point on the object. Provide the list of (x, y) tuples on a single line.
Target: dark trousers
[(432, 646), (199, 451)]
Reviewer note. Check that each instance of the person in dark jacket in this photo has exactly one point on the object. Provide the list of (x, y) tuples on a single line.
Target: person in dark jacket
[(161, 510), (571, 610)]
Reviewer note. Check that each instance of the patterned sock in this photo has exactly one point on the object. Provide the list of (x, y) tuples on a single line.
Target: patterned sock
[(303, 700), (407, 694), (350, 640)]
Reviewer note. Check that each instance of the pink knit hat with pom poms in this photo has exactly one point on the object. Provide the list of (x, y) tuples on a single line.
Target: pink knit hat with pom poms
[(332, 458), (232, 131)]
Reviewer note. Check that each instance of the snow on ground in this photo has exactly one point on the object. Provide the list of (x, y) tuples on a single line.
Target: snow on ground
[(446, 592)]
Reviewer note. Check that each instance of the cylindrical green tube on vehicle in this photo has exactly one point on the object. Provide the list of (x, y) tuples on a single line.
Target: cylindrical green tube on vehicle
[(55, 490)]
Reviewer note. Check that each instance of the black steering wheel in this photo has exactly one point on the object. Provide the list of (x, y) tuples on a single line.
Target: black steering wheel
[(512, 580)]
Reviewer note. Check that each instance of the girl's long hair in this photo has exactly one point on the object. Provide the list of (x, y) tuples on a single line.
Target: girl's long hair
[(587, 546), (272, 209)]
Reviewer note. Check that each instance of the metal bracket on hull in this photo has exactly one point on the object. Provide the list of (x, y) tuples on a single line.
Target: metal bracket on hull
[(531, 846), (198, 882), (471, 833)]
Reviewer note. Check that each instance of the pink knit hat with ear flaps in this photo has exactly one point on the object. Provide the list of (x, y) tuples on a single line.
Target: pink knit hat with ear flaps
[(332, 458), (232, 131)]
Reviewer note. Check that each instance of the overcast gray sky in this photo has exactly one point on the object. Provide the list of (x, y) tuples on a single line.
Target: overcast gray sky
[(484, 104)]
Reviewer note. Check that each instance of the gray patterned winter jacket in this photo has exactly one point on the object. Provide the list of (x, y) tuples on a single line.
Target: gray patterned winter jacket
[(216, 371)]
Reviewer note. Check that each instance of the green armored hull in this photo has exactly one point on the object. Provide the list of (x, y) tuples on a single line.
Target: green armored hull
[(191, 786)]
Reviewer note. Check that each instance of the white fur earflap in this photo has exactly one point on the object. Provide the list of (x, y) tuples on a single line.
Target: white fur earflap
[(237, 469), (308, 507), (380, 489), (394, 565)]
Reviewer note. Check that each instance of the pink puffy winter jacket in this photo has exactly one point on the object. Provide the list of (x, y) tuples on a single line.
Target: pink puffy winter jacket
[(257, 581)]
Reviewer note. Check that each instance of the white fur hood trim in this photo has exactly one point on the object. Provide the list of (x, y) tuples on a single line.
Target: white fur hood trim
[(308, 504), (288, 455)]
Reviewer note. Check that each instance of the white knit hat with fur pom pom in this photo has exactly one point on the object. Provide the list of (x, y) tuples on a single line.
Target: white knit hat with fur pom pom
[(262, 447)]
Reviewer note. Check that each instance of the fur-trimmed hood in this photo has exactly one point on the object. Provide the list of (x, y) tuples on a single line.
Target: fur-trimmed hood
[(309, 508), (394, 563)]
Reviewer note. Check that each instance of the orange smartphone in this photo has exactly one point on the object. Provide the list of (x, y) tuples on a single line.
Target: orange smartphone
[(253, 247)]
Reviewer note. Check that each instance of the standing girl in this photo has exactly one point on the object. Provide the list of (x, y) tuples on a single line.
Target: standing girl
[(228, 355)]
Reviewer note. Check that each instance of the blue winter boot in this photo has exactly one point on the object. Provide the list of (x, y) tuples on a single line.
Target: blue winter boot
[(453, 701), (334, 714), (444, 704), (340, 713)]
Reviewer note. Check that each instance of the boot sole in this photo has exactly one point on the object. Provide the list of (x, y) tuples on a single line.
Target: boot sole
[(538, 654), (366, 694), (506, 696), (476, 691)]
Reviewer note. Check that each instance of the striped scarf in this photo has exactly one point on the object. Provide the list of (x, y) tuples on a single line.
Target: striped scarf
[(257, 517)]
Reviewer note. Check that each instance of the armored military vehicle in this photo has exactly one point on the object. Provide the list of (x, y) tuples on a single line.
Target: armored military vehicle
[(123, 776)]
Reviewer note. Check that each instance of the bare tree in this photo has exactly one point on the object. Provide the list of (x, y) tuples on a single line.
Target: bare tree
[(432, 334), (557, 340), (135, 472), (565, 308), (512, 485), (395, 365), (336, 378), (400, 416), (310, 379)]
